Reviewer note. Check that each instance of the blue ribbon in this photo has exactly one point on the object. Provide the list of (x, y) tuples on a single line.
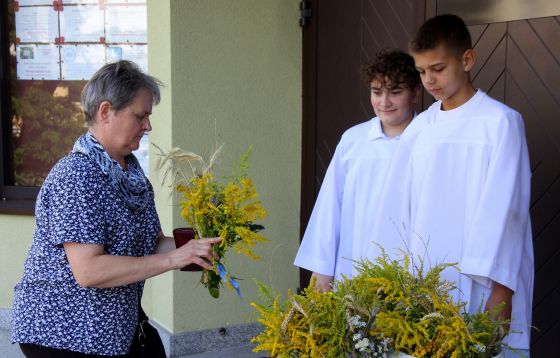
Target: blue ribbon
[(227, 279)]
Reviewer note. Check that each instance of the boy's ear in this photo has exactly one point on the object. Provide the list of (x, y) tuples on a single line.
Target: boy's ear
[(469, 59)]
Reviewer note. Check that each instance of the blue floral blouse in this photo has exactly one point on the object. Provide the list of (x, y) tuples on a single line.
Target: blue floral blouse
[(77, 204)]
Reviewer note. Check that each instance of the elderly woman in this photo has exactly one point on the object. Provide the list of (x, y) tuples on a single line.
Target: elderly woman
[(98, 236)]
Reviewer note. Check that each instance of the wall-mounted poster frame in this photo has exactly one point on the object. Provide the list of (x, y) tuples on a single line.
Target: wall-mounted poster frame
[(85, 34)]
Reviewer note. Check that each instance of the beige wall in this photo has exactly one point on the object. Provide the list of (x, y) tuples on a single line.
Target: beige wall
[(16, 233), (235, 77), (232, 72)]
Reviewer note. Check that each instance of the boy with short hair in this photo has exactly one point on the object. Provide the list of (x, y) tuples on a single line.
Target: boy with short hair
[(460, 183), (340, 226)]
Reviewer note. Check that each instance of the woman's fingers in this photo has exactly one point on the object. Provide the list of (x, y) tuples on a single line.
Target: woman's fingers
[(211, 240), (200, 251), (202, 262)]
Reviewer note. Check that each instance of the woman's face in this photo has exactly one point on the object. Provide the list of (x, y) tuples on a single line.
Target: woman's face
[(126, 127)]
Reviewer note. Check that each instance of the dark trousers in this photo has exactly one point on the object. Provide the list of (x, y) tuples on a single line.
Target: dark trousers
[(35, 351)]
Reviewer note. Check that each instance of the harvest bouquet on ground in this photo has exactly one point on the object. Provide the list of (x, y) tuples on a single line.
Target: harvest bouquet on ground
[(390, 309), (227, 207)]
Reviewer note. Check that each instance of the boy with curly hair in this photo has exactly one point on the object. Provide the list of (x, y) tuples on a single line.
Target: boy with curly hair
[(340, 226)]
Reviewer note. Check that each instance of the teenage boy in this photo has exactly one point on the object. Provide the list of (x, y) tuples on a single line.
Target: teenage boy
[(460, 183), (340, 226)]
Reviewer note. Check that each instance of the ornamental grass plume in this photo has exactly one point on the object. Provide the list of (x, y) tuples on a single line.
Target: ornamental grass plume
[(390, 307), (227, 207)]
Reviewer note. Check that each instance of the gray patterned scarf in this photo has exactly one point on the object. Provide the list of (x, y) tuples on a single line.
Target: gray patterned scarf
[(131, 185)]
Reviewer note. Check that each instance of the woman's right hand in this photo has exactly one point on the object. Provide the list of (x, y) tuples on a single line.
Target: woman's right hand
[(194, 252)]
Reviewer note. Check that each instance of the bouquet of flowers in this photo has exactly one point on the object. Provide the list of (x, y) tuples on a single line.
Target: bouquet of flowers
[(227, 207), (388, 310)]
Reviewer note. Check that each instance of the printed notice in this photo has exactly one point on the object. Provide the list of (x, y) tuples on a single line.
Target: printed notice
[(125, 1), (79, 62), (73, 41), (123, 25), (80, 2), (34, 2), (82, 23), (36, 24), (37, 62), (134, 53)]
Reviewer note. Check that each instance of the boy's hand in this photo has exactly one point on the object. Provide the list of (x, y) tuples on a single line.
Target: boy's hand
[(323, 283), (500, 294)]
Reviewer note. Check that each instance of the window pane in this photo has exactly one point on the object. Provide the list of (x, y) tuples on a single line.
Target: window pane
[(53, 48), (46, 120), (45, 115)]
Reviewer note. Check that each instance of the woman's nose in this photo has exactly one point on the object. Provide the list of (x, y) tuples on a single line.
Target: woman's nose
[(147, 125)]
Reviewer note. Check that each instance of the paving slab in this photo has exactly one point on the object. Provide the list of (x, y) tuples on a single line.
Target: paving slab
[(7, 349), (234, 352)]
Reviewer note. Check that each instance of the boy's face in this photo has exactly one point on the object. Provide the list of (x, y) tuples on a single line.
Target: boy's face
[(445, 75), (394, 106)]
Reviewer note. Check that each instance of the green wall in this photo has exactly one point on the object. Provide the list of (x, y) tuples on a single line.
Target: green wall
[(234, 75)]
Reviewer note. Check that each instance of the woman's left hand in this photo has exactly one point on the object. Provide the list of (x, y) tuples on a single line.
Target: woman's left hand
[(199, 252)]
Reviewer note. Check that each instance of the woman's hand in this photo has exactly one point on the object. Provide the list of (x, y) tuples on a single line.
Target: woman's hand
[(194, 252)]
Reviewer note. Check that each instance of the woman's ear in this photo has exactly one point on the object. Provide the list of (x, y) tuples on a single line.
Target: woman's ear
[(469, 59), (104, 111)]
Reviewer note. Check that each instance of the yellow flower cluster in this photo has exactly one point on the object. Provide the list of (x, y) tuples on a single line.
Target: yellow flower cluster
[(305, 326), (227, 207), (224, 210), (390, 306)]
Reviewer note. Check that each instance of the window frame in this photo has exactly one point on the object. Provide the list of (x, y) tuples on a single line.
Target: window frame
[(18, 200)]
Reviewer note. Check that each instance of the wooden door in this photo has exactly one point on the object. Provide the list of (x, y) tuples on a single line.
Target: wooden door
[(518, 63), (532, 86)]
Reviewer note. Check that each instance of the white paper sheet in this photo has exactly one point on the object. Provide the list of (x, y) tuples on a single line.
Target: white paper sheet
[(134, 53), (125, 1), (79, 62), (37, 62), (35, 2), (37, 24), (80, 2), (126, 24), (82, 23)]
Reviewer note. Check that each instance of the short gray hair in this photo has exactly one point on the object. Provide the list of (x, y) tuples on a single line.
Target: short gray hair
[(118, 83)]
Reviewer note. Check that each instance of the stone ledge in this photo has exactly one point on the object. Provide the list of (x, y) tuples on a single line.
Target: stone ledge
[(213, 339), (183, 343)]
